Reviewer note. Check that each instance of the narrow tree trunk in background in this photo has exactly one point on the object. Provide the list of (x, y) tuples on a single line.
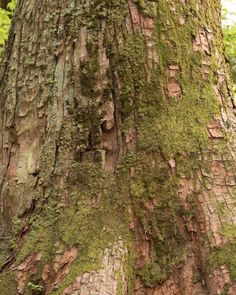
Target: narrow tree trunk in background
[(117, 150)]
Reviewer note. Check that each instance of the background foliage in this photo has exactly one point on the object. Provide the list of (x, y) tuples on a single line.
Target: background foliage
[(5, 21), (229, 30)]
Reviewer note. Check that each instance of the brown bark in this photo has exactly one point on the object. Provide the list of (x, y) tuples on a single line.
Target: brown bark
[(117, 150)]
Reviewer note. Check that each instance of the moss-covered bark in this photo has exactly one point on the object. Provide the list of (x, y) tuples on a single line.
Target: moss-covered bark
[(117, 150)]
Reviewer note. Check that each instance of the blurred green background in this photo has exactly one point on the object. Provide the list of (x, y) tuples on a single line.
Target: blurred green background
[(5, 20), (229, 29)]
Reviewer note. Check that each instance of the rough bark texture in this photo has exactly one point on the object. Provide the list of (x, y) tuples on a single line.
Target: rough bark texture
[(117, 150)]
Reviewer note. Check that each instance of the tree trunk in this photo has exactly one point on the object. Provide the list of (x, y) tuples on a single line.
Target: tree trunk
[(117, 150)]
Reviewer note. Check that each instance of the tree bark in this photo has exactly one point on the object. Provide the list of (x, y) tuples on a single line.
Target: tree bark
[(117, 150)]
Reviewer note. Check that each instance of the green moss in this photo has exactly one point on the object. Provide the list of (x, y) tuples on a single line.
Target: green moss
[(171, 125), (180, 127), (42, 234), (129, 267), (119, 283), (111, 10), (225, 255), (148, 8), (222, 209), (225, 290), (78, 268), (35, 288), (177, 125), (168, 246), (229, 231), (154, 182), (197, 277), (152, 274), (8, 284), (94, 217)]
